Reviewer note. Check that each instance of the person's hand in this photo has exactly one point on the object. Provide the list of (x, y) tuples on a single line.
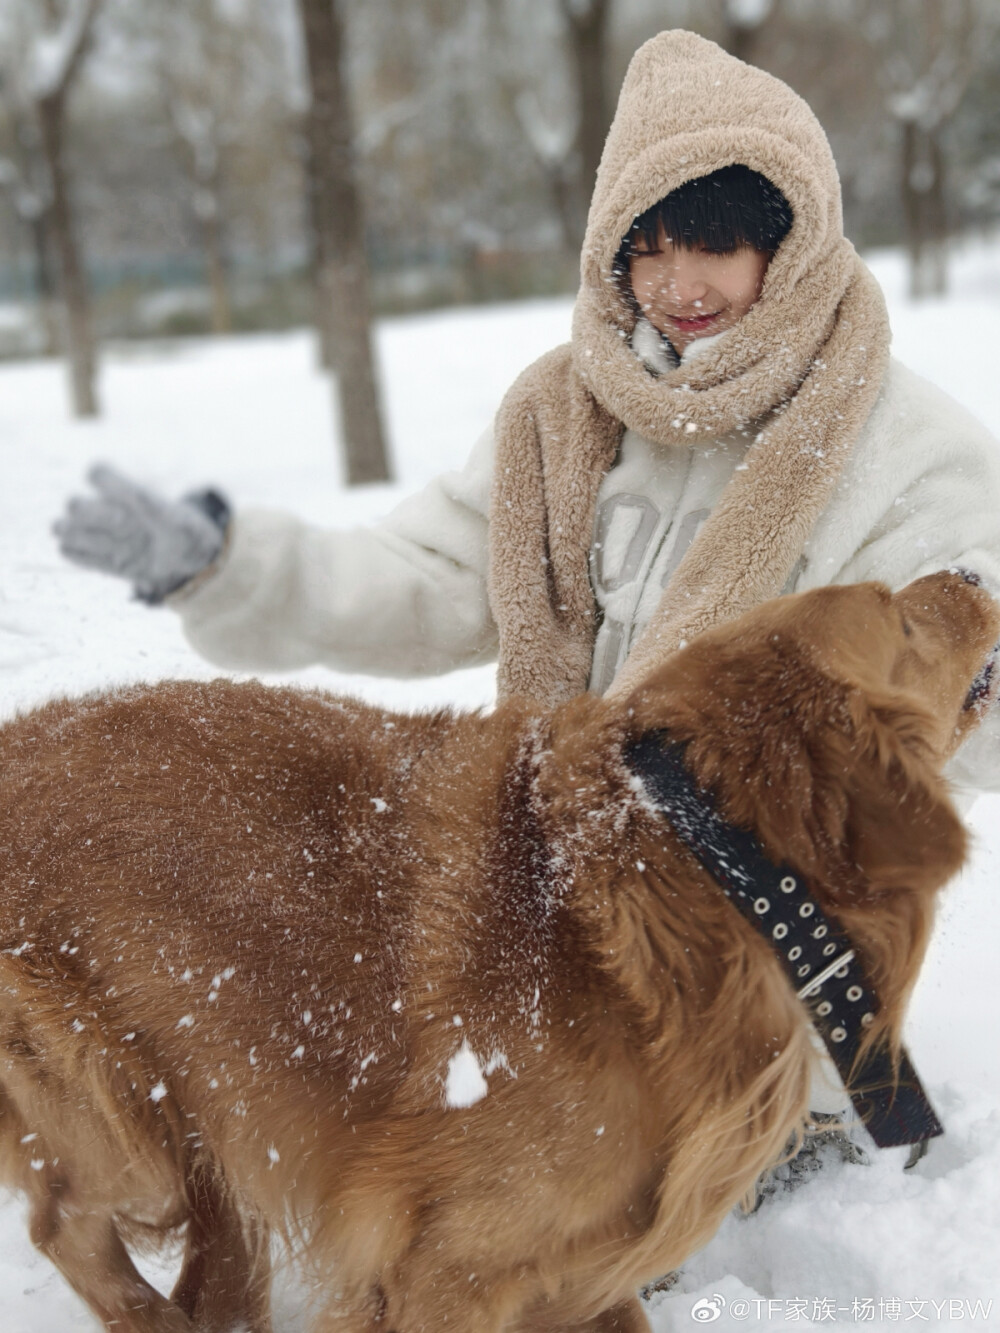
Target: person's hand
[(129, 531)]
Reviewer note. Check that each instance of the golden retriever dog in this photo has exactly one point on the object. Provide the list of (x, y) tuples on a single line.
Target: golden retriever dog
[(441, 999)]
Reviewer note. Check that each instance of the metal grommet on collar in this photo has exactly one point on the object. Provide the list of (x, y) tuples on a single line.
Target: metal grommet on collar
[(780, 931), (867, 1020), (824, 1009), (795, 953), (804, 970), (841, 971), (838, 1034), (807, 909), (854, 993), (819, 932), (761, 905), (828, 949), (788, 885)]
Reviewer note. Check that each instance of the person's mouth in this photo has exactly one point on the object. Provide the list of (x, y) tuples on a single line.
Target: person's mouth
[(692, 323)]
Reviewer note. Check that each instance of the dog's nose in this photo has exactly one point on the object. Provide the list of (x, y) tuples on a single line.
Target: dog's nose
[(969, 575), (980, 687)]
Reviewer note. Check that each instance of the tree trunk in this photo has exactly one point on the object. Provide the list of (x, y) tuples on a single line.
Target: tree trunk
[(80, 344), (743, 39), (567, 194), (32, 215), (340, 244), (924, 209), (588, 27), (215, 264), (45, 281), (323, 303), (937, 220)]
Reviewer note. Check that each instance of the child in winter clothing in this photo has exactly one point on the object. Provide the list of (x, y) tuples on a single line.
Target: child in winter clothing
[(702, 443)]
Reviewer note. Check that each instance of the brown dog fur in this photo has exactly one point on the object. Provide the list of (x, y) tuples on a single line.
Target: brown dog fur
[(243, 932)]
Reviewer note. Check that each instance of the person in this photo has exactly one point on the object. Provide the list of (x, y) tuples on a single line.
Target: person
[(726, 424)]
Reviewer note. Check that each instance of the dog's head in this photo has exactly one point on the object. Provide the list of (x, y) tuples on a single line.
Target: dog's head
[(821, 721)]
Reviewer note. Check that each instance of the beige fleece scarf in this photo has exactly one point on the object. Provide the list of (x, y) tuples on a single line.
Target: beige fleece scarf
[(805, 364)]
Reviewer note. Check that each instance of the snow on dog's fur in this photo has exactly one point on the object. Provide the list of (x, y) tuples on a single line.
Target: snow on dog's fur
[(441, 999)]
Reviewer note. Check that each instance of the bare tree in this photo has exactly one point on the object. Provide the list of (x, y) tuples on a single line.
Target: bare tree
[(563, 113), (199, 139), (342, 266), (551, 141), (324, 304), (930, 51), (201, 53), (743, 22), (217, 87), (24, 180), (587, 31), (54, 58)]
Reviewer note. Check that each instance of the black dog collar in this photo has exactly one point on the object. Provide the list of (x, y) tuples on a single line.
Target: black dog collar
[(815, 954)]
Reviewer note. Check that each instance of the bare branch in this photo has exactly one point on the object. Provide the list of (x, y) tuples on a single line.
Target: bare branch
[(57, 55)]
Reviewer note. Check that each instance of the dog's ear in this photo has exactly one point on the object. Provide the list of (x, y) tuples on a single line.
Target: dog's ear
[(901, 828), (835, 779)]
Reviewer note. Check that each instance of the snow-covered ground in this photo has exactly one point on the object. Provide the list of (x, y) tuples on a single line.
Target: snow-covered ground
[(859, 1245)]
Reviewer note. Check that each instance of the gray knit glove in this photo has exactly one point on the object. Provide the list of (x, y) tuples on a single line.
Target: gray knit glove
[(128, 531)]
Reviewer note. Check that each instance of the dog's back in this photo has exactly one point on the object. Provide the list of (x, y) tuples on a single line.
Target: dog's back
[(233, 984)]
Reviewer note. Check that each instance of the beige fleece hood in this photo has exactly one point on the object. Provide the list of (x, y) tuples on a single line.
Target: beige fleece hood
[(686, 109)]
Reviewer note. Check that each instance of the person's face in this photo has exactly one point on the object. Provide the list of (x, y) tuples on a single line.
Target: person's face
[(692, 293)]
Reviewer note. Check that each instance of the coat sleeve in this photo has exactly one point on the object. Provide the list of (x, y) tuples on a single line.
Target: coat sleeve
[(405, 597), (929, 475)]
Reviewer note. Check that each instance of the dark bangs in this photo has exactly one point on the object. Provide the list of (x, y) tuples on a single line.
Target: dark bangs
[(724, 211)]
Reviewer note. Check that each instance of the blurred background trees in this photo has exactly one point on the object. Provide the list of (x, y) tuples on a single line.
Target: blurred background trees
[(184, 157), (46, 45), (928, 52), (216, 88)]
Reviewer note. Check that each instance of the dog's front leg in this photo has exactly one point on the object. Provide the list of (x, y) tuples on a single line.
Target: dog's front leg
[(225, 1278), (424, 1295), (626, 1317), (87, 1249)]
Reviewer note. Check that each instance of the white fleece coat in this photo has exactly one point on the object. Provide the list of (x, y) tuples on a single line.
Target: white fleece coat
[(408, 596)]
